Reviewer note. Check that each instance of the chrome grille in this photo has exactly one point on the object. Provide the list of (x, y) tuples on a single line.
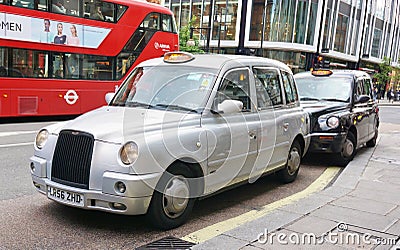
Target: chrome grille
[(72, 159)]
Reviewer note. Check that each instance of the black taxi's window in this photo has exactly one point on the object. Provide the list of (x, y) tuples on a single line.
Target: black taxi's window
[(324, 88)]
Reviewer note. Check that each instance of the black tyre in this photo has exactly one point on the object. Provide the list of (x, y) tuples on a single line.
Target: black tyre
[(371, 143), (172, 203), (348, 150), (289, 172)]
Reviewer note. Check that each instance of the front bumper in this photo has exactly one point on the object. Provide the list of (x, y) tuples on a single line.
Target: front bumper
[(134, 201), (327, 142)]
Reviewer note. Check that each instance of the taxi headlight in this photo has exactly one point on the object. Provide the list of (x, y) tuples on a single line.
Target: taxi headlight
[(41, 138), (332, 122), (129, 153)]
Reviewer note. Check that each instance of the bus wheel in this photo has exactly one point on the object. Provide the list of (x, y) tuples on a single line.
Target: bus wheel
[(289, 173), (171, 203)]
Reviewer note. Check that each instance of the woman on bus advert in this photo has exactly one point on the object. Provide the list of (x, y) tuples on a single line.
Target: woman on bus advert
[(73, 39), (60, 38)]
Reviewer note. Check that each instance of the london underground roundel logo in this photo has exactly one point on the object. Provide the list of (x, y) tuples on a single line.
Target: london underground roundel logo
[(71, 97)]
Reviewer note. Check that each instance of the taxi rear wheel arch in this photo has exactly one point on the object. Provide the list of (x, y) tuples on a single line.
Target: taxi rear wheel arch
[(167, 212)]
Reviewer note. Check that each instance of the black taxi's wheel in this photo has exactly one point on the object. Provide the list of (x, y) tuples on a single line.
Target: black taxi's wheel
[(171, 203), (371, 143), (348, 149), (289, 172)]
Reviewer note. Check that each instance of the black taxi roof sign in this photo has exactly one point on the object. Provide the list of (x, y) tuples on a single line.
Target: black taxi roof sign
[(178, 57), (321, 72)]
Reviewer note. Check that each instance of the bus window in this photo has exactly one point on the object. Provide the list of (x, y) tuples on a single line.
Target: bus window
[(108, 11), (24, 4), (58, 66), (124, 62), (72, 62), (99, 10), (167, 23), (152, 21), (3, 61), (41, 5), (120, 11), (72, 7), (57, 6), (96, 67)]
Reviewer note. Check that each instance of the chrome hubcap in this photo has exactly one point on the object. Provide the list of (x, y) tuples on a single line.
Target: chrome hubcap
[(294, 161), (348, 148), (176, 196)]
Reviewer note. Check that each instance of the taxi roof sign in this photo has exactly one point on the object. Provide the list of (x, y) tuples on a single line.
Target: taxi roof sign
[(178, 57), (321, 72)]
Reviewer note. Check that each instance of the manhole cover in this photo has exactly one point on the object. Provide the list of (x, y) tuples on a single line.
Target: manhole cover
[(168, 243)]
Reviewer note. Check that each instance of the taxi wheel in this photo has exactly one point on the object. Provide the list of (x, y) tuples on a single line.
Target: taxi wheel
[(348, 149), (171, 203), (371, 143), (289, 173)]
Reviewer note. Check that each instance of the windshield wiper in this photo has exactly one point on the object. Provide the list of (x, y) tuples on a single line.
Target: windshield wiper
[(333, 100), (309, 99), (175, 107), (138, 104)]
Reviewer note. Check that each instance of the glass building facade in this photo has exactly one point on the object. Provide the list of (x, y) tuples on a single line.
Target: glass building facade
[(351, 33)]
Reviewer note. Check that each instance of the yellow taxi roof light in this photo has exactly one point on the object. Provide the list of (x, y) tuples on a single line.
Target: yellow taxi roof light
[(178, 57), (321, 72)]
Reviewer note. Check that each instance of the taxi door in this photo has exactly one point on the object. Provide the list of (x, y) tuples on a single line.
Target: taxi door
[(269, 100), (232, 137), (361, 113)]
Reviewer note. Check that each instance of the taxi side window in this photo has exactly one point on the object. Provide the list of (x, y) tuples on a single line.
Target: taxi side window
[(268, 88), (235, 86), (359, 87), (290, 89), (368, 88)]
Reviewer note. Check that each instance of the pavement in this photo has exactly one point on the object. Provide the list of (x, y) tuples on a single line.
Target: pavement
[(385, 102), (360, 209)]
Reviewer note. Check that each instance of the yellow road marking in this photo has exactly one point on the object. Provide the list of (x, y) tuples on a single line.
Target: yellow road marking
[(224, 226)]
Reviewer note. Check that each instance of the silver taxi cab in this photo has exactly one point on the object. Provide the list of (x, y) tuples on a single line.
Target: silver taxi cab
[(178, 129)]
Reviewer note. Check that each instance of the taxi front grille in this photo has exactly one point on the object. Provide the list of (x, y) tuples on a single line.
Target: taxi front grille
[(72, 159)]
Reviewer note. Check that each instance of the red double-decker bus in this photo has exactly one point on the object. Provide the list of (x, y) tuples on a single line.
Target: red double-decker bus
[(60, 57)]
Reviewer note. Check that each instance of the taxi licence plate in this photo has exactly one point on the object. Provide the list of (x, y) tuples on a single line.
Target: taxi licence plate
[(65, 197)]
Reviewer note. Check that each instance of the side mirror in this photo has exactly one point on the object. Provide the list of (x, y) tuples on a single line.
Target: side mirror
[(109, 97), (363, 99), (230, 106)]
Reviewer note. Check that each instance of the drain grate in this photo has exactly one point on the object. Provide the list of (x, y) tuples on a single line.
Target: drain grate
[(168, 242)]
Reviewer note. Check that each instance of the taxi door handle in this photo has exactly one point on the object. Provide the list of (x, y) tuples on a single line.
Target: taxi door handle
[(285, 126), (252, 135)]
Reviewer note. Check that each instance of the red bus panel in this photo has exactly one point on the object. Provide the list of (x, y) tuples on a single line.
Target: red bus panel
[(64, 64)]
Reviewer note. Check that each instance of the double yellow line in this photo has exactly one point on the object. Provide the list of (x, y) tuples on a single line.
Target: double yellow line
[(219, 228)]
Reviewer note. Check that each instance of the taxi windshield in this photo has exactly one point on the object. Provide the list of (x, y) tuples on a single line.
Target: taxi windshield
[(175, 87), (324, 88)]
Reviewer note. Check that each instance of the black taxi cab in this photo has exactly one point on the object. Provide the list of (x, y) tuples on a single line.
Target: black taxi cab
[(343, 111)]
